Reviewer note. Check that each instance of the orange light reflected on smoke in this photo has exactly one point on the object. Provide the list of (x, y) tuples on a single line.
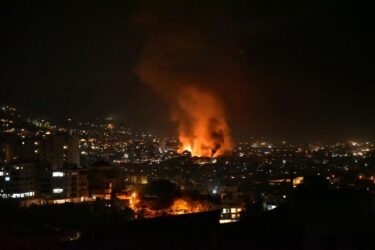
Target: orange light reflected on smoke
[(202, 127)]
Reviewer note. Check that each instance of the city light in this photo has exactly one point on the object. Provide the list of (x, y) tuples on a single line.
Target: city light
[(187, 125), (58, 190), (58, 174)]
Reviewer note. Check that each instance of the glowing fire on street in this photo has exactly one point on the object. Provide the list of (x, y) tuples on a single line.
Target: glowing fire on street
[(186, 206)]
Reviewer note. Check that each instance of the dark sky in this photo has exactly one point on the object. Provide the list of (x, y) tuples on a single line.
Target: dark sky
[(283, 69)]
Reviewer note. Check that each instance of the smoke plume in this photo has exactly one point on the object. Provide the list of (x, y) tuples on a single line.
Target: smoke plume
[(181, 61)]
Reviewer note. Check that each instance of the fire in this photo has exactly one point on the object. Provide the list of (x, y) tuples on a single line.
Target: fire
[(202, 127), (185, 206), (176, 66)]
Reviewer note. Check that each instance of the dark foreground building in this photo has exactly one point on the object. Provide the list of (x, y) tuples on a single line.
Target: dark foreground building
[(312, 219)]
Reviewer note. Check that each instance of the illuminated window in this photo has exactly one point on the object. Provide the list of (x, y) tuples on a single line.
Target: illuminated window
[(270, 207), (7, 178), (58, 174), (22, 195), (57, 190), (225, 221)]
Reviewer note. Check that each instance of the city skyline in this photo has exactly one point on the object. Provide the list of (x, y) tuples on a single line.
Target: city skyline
[(189, 124), (112, 122), (299, 72)]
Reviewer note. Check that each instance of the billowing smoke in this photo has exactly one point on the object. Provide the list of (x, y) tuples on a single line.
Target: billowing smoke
[(202, 127), (183, 63)]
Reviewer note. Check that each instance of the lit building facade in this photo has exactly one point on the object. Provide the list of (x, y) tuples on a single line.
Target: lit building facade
[(22, 179), (69, 183)]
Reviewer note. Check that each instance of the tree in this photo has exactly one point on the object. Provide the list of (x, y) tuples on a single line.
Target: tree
[(164, 191)]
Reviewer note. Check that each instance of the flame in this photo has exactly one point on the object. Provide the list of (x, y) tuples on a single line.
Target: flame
[(202, 127), (185, 206)]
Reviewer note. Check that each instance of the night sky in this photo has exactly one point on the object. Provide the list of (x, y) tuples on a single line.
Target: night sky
[(282, 69)]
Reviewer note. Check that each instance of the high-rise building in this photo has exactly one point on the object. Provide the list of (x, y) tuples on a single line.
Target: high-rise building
[(69, 183), (104, 179), (58, 150), (65, 150), (73, 156)]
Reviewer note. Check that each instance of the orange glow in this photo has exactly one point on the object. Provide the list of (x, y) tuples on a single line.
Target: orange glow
[(133, 201), (202, 127), (185, 206)]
